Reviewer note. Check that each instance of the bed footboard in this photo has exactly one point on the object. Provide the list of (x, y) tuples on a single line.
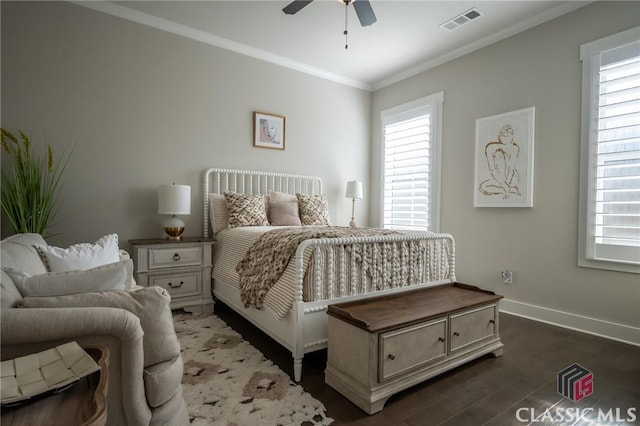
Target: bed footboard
[(330, 268)]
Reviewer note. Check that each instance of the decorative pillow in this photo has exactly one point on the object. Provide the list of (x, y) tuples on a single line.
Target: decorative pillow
[(218, 213), (282, 196), (114, 276), (314, 209), (284, 213), (150, 304), (80, 256), (246, 209)]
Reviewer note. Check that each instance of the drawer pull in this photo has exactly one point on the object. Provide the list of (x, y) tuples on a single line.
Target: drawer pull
[(456, 333), (440, 339), (392, 356), (492, 322), (176, 285), (176, 256)]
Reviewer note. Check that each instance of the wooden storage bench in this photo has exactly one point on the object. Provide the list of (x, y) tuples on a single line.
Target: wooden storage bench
[(382, 345)]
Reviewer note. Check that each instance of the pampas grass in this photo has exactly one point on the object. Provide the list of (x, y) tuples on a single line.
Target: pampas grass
[(30, 188)]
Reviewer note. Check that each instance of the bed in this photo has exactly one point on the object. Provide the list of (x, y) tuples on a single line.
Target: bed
[(322, 270)]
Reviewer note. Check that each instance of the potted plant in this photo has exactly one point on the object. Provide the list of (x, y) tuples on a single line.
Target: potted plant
[(30, 187)]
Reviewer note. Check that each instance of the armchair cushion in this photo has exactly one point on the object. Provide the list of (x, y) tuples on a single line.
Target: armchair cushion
[(113, 276), (149, 304), (18, 251)]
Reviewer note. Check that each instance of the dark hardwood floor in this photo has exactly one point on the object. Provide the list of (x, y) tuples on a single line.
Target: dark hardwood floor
[(489, 391)]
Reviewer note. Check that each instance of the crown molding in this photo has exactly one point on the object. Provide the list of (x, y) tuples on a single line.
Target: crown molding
[(213, 40), (483, 42), (132, 15)]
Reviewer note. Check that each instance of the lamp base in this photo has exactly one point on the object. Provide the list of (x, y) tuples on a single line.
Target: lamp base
[(174, 227), (174, 233), (352, 224)]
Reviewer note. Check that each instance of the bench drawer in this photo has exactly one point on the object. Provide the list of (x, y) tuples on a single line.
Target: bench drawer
[(410, 347), (470, 327)]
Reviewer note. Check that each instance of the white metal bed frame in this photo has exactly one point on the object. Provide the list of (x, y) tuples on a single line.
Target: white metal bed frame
[(304, 329)]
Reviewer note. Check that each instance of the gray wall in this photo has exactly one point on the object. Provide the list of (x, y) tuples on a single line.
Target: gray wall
[(539, 68), (144, 107)]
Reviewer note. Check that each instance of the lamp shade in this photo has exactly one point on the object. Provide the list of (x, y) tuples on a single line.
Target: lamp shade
[(354, 189), (174, 199)]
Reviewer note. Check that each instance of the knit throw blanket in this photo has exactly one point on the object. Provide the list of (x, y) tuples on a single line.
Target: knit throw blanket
[(267, 258)]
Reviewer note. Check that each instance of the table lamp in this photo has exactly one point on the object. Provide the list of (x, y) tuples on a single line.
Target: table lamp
[(174, 200), (354, 190)]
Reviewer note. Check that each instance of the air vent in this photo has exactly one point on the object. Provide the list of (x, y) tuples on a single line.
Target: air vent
[(461, 19)]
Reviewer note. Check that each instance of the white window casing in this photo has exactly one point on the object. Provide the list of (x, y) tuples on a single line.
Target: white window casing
[(411, 164), (609, 216)]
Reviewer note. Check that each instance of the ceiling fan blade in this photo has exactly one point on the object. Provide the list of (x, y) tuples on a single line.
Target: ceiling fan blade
[(295, 6), (364, 12)]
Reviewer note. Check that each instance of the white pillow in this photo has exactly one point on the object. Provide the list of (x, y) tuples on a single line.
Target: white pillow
[(114, 276), (80, 256)]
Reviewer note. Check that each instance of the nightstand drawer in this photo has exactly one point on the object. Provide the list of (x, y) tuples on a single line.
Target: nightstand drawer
[(178, 284), (172, 257)]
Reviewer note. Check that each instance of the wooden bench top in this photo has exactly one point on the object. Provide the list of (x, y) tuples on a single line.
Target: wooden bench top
[(384, 312)]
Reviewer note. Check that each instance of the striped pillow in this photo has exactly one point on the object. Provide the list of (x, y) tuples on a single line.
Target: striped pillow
[(218, 213)]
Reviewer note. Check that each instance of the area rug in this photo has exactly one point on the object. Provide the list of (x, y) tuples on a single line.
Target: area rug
[(229, 382)]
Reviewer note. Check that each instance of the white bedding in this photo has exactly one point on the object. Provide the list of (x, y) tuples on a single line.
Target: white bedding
[(229, 249)]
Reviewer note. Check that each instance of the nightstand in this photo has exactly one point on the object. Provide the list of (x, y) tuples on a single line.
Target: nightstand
[(182, 267)]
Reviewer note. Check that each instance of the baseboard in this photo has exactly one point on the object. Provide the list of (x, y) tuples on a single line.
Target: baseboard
[(610, 330)]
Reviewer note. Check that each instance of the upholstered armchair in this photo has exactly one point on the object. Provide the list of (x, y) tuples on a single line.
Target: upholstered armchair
[(135, 324)]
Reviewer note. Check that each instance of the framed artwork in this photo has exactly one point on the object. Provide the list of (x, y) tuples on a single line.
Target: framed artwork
[(504, 160), (268, 130)]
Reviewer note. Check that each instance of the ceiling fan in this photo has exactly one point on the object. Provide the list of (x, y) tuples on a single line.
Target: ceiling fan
[(362, 7)]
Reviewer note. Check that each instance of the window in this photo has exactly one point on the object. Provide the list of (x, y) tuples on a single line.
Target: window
[(411, 164), (610, 154)]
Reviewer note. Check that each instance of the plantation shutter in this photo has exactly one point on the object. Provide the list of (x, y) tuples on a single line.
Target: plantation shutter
[(614, 184), (411, 143)]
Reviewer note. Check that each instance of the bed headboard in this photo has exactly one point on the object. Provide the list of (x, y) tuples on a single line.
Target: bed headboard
[(218, 181)]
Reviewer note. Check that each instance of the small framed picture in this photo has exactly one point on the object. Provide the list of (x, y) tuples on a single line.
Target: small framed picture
[(268, 130)]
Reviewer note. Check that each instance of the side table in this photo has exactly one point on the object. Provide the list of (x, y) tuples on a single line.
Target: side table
[(182, 267), (84, 404)]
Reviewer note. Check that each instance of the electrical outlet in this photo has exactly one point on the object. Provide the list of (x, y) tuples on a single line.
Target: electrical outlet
[(507, 277)]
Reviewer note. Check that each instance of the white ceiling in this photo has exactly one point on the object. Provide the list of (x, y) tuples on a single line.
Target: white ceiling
[(406, 39)]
